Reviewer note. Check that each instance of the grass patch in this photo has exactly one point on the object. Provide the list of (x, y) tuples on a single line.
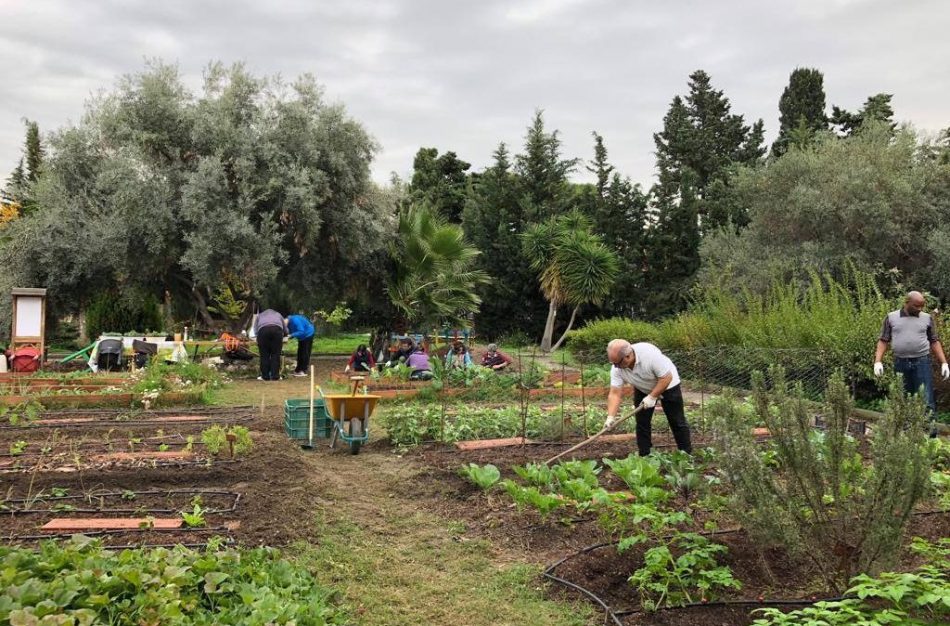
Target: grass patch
[(426, 573), (343, 343)]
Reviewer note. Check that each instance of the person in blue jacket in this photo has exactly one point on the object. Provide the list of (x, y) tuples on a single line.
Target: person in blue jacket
[(300, 328), (458, 356)]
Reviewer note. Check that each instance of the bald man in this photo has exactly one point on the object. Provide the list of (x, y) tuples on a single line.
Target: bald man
[(653, 377), (912, 337)]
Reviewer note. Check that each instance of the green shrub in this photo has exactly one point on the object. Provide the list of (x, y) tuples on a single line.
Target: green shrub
[(589, 344), (112, 313), (809, 506), (78, 582)]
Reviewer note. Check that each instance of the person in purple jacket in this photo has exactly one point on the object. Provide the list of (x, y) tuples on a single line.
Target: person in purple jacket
[(419, 362), (269, 329)]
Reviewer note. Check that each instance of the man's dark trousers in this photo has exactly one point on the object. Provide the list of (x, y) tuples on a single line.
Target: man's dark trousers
[(675, 414), (270, 342), (304, 348)]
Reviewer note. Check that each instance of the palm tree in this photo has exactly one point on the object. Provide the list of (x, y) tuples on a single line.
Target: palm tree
[(573, 264), (434, 280)]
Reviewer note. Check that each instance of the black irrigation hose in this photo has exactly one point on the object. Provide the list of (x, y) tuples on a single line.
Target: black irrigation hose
[(129, 546), (608, 613), (192, 492), (66, 423), (764, 602), (149, 465)]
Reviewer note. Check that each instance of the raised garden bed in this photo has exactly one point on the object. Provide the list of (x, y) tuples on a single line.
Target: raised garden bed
[(116, 418), (121, 518)]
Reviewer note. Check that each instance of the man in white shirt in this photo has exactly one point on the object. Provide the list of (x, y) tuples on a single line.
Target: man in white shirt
[(653, 377)]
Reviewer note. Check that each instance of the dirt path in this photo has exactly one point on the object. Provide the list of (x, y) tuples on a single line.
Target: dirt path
[(371, 525)]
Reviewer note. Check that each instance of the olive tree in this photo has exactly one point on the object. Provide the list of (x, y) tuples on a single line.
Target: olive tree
[(250, 185)]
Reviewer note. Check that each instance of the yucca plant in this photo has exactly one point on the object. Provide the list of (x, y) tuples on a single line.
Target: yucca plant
[(574, 267)]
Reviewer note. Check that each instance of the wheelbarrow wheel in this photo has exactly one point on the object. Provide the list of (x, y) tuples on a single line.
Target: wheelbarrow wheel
[(356, 431)]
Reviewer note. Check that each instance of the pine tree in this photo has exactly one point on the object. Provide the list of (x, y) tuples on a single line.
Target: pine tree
[(801, 108), (876, 107)]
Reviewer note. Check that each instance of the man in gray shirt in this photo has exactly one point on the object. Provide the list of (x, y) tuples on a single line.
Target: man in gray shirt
[(911, 334)]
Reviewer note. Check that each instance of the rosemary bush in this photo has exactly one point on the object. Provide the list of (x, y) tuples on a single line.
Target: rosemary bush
[(824, 504)]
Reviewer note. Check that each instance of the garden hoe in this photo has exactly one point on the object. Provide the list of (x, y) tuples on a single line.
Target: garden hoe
[(595, 436)]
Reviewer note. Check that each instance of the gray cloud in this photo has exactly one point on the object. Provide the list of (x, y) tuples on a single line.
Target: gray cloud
[(465, 77)]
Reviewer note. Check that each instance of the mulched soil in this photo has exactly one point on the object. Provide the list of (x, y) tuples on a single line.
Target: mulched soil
[(276, 505), (604, 571)]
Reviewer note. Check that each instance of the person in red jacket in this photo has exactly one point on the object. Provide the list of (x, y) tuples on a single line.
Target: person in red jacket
[(361, 361)]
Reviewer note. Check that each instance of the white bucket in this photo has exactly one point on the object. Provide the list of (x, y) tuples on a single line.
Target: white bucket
[(3, 363)]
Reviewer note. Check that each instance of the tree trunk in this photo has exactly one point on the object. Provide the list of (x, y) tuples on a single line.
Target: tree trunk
[(549, 327), (202, 307), (566, 330)]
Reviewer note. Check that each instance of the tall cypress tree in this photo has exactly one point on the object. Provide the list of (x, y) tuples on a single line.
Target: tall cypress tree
[(801, 109), (543, 173), (34, 151), (493, 218), (618, 211), (699, 146)]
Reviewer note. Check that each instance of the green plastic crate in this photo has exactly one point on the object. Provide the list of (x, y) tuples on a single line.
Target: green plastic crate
[(297, 419)]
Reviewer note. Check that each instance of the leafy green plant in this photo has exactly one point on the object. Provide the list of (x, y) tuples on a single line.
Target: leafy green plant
[(642, 475), (18, 447), (482, 476), (538, 474), (680, 473), (545, 503), (918, 597), (59, 492), (79, 582), (195, 518), (215, 439), (682, 570)]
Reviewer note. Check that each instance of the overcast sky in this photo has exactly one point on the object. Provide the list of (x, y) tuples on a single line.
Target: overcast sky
[(464, 76)]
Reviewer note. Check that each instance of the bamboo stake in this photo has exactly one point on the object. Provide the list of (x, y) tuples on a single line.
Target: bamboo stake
[(594, 436)]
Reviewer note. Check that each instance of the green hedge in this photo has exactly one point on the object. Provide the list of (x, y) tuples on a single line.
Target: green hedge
[(589, 344), (110, 313)]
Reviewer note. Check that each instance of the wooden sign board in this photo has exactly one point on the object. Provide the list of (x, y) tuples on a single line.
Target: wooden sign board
[(29, 318)]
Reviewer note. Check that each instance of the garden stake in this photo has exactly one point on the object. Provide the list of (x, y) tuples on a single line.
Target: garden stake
[(594, 436), (231, 437), (310, 424)]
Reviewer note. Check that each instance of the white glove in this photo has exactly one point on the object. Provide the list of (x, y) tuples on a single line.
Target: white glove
[(346, 369), (389, 363), (878, 369), (945, 371), (611, 421), (648, 402)]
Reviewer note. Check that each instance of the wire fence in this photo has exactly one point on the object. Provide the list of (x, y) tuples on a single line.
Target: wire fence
[(552, 396)]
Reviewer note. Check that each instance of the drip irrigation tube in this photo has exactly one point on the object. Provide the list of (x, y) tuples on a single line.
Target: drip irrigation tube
[(121, 494)]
